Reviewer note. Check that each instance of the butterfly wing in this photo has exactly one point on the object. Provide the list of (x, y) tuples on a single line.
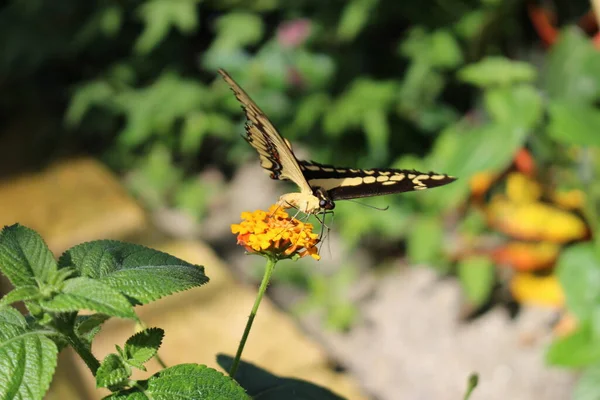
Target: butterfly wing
[(275, 153), (350, 183)]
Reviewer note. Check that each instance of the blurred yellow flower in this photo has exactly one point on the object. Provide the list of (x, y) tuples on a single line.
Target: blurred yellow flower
[(276, 234), (534, 290)]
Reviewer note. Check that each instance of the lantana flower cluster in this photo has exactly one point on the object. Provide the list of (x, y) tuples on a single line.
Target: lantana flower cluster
[(275, 234)]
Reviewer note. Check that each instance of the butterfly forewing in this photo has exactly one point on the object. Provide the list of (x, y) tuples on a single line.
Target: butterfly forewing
[(275, 153), (350, 183)]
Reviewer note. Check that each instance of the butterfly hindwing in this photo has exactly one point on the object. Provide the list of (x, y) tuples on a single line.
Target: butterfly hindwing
[(350, 183), (275, 153)]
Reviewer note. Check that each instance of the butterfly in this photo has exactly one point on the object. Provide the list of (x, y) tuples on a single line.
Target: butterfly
[(321, 185)]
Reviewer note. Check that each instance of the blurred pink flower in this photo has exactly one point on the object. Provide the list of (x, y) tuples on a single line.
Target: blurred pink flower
[(293, 33)]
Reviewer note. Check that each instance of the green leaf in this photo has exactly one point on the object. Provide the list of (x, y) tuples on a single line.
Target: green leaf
[(87, 326), (238, 29), (27, 358), (488, 148), (141, 273), (159, 16), (436, 50), (24, 256), (310, 109), (477, 277), (424, 241), (185, 381), (578, 271), (112, 372), (354, 18), (363, 96), (572, 67), (443, 49), (147, 113), (83, 293), (587, 387), (574, 123), (520, 106), (143, 346), (86, 96), (580, 348), (377, 131), (262, 385), (22, 293), (497, 71)]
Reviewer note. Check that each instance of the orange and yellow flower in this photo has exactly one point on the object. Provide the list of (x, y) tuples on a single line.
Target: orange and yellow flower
[(276, 234)]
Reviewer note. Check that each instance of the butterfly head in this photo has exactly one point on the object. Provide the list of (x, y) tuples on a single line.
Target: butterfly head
[(325, 201)]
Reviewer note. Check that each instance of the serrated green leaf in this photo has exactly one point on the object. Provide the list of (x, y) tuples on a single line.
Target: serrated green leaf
[(21, 293), (578, 271), (261, 384), (113, 371), (497, 71), (579, 349), (87, 326), (143, 346), (574, 123), (571, 70), (587, 387), (424, 241), (141, 273), (88, 294), (27, 358), (24, 256), (477, 278), (186, 381)]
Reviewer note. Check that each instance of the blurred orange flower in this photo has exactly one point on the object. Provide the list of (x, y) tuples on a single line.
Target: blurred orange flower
[(527, 256), (276, 234)]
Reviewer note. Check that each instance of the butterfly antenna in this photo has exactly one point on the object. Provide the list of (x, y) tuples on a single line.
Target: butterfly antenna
[(370, 206), (323, 235)]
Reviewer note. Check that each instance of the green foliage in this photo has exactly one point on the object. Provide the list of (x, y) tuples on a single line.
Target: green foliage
[(109, 278), (28, 357), (476, 276), (579, 274), (187, 381), (329, 294)]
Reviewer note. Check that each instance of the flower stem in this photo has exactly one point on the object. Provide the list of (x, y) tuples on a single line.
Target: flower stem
[(271, 261)]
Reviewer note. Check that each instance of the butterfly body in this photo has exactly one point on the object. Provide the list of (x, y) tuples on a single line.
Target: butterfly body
[(320, 184)]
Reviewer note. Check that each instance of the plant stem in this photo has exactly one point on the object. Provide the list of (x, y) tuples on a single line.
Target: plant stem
[(82, 350), (270, 267)]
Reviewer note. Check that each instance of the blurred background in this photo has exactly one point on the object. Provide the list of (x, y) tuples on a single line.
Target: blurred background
[(114, 123)]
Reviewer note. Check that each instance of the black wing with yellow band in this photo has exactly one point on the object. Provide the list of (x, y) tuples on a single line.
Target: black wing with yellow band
[(326, 182), (350, 183), (275, 152)]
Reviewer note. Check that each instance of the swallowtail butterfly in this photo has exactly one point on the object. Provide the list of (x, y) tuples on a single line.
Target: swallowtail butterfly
[(321, 185)]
